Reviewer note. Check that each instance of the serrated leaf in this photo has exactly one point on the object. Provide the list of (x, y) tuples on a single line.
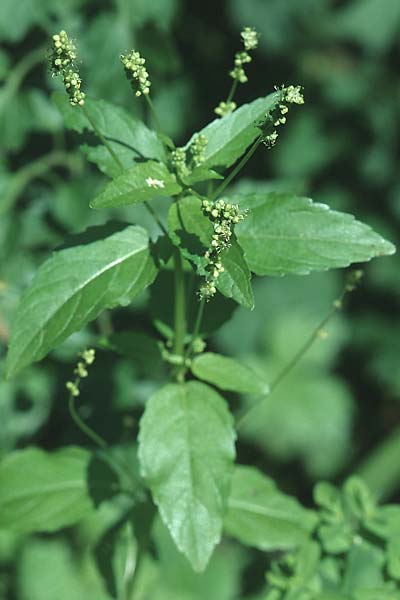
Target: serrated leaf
[(229, 137), (261, 516), (73, 286), (137, 184), (228, 374), (192, 232), (44, 491), (285, 234), (186, 451), (138, 143)]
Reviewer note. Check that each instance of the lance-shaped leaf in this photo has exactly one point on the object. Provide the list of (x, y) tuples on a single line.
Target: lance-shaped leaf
[(229, 137), (137, 184), (135, 142), (192, 232), (228, 374), (45, 491), (186, 451), (285, 234), (73, 287), (261, 516)]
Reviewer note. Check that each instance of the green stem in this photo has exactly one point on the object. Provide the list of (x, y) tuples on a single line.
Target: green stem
[(18, 74), (232, 91), (336, 306), (119, 163), (381, 469), (153, 113), (97, 439), (197, 325), (179, 313), (101, 137), (35, 170), (236, 170)]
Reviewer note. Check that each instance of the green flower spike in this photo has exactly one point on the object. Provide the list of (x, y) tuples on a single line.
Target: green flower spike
[(62, 60), (136, 72)]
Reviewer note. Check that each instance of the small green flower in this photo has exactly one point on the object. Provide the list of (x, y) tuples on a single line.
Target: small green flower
[(225, 108), (197, 149), (63, 59), (136, 72), (250, 38), (178, 162)]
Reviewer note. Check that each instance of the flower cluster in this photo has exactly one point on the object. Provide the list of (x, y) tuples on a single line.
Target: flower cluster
[(136, 72), (289, 95), (225, 108), (238, 72), (62, 60), (250, 38), (197, 149), (81, 371), (224, 217), (178, 162)]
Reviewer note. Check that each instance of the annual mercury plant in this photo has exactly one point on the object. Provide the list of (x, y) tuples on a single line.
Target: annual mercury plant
[(192, 267)]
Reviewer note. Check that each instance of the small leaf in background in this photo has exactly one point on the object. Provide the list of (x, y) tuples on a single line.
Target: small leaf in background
[(137, 184), (230, 136), (261, 516), (363, 568), (45, 491), (138, 142), (285, 234), (188, 466), (74, 286), (228, 374)]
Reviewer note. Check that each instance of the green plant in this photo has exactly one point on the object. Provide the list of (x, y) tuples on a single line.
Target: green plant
[(196, 266)]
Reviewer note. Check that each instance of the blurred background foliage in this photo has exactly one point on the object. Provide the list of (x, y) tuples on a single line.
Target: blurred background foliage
[(339, 410)]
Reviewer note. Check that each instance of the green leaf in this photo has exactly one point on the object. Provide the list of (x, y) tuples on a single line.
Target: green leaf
[(115, 124), (200, 174), (74, 286), (192, 232), (285, 234), (186, 451), (261, 516), (229, 137), (228, 374), (43, 491), (135, 185)]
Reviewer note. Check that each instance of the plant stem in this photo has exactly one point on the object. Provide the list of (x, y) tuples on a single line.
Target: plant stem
[(153, 113), (381, 469), (197, 325), (237, 169), (232, 91), (18, 74), (101, 137), (336, 306), (119, 163), (179, 313), (96, 438)]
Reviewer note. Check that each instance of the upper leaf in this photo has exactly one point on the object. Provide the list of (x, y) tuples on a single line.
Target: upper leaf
[(285, 234), (186, 451), (261, 516), (73, 287), (229, 137), (192, 232), (42, 491), (115, 124), (228, 374), (139, 183)]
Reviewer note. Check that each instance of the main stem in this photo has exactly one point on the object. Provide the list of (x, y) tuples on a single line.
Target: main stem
[(179, 313)]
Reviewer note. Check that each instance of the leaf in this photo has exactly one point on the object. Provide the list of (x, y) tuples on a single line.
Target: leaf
[(115, 124), (135, 185), (200, 174), (261, 516), (44, 491), (192, 232), (229, 137), (186, 451), (228, 374), (285, 234), (74, 286)]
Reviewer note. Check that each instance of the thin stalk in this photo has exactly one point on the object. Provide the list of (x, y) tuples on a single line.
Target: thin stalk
[(336, 306), (95, 437), (153, 113), (199, 319), (232, 91), (237, 169), (101, 137), (119, 163), (19, 72), (179, 313)]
